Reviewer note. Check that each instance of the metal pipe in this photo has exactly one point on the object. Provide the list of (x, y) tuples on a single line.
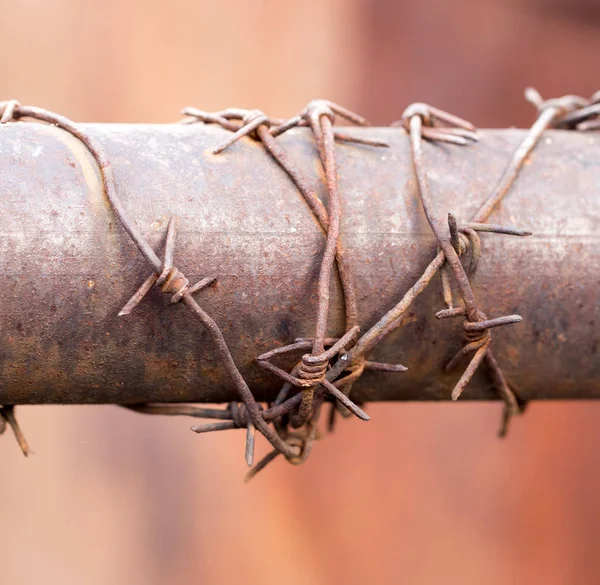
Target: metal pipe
[(68, 266)]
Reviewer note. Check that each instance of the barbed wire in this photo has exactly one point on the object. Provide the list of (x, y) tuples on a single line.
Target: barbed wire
[(327, 372)]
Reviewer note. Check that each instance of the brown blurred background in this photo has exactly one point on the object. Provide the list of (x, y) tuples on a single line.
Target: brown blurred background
[(423, 493)]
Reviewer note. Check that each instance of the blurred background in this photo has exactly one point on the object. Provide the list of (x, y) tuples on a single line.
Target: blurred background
[(422, 494)]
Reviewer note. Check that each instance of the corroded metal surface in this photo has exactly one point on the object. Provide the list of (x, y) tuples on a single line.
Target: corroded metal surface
[(69, 268)]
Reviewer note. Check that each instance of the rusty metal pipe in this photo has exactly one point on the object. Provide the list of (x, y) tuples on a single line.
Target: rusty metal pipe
[(68, 266)]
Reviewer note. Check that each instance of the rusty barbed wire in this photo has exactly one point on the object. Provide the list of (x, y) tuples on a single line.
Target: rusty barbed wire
[(328, 371), (171, 280), (476, 326), (320, 116), (310, 373), (261, 131), (456, 136), (256, 124), (248, 128), (421, 122)]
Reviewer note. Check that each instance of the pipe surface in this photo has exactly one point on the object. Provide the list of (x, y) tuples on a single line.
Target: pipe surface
[(68, 266)]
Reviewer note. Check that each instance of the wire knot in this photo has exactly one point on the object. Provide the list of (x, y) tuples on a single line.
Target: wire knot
[(170, 279), (572, 112), (566, 104), (476, 335), (313, 368), (435, 124), (316, 109), (173, 282), (251, 116), (418, 109)]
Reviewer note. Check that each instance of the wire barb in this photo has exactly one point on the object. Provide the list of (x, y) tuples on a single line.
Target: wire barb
[(169, 279), (7, 417)]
